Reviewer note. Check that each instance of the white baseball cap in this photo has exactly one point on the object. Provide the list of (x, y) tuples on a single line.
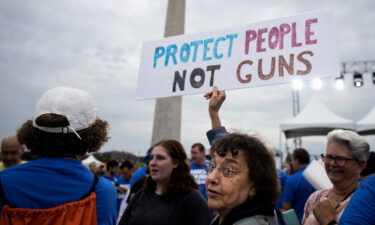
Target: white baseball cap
[(75, 104)]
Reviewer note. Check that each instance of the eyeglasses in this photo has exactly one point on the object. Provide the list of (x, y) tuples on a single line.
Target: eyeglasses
[(341, 161), (225, 171)]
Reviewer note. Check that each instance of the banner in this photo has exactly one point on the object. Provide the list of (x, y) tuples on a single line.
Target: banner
[(265, 53)]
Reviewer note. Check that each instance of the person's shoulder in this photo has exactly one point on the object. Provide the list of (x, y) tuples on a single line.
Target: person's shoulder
[(140, 171), (121, 180), (293, 178), (367, 185), (282, 175), (105, 185), (17, 168), (323, 192), (370, 180), (193, 166), (193, 193), (319, 194), (297, 175)]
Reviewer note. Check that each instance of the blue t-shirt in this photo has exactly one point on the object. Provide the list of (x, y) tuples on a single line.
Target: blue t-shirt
[(116, 180), (361, 208), (199, 173), (296, 192), (139, 173), (121, 180), (282, 179), (50, 182)]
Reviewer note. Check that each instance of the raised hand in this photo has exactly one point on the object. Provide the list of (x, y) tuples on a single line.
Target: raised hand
[(216, 99)]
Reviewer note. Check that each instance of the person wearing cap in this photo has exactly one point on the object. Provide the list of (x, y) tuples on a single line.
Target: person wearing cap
[(11, 152), (56, 186)]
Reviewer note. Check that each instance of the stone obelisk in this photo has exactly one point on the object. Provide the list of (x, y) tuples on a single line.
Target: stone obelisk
[(167, 118)]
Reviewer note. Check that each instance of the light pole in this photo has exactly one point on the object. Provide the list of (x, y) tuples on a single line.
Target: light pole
[(296, 108)]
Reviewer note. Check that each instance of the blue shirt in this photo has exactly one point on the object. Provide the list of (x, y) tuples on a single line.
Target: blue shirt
[(361, 208), (216, 133), (282, 179), (199, 173), (296, 192), (139, 173), (121, 180), (50, 182), (116, 180)]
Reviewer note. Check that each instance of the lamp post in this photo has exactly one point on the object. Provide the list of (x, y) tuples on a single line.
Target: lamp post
[(297, 85)]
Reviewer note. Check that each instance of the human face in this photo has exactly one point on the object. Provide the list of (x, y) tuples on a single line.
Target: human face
[(342, 174), (197, 156), (126, 173), (225, 193), (294, 163), (161, 165), (114, 170), (11, 152)]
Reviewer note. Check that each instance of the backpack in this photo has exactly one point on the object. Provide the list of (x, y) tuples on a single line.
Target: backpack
[(81, 212)]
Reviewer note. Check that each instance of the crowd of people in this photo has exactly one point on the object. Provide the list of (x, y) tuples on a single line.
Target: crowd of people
[(237, 184)]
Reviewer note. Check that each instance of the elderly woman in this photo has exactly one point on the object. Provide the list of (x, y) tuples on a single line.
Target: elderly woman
[(170, 194), (345, 158), (242, 181)]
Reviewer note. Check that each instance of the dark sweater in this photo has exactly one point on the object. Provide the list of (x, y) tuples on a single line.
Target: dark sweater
[(152, 209)]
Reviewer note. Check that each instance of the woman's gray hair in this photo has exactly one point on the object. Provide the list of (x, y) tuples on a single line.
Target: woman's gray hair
[(357, 144)]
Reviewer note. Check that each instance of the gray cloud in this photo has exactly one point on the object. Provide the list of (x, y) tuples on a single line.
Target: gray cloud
[(96, 45)]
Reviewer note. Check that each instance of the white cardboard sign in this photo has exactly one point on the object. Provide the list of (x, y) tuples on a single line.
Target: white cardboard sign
[(265, 53)]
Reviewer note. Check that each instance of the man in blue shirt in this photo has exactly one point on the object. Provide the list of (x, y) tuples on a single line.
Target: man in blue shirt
[(112, 172), (198, 167), (297, 190), (112, 175), (126, 172)]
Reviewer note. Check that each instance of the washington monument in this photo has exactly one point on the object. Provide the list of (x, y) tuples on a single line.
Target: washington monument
[(167, 117)]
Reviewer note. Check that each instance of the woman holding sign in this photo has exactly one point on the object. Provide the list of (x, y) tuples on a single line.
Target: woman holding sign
[(242, 181), (345, 158)]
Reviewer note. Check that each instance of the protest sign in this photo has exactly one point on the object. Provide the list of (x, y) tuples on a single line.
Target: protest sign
[(265, 53)]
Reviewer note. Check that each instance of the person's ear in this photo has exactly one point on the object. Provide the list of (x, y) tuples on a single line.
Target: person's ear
[(252, 192), (361, 165), (174, 164)]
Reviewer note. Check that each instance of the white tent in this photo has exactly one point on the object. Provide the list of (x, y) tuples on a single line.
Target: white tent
[(86, 162), (367, 124), (314, 119)]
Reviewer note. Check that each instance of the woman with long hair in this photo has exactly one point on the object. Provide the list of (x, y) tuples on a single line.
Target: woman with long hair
[(170, 195)]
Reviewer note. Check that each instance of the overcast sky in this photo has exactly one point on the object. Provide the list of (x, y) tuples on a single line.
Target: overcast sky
[(96, 45)]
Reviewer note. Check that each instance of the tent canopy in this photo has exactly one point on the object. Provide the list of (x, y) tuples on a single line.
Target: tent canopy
[(86, 162), (366, 125), (314, 119)]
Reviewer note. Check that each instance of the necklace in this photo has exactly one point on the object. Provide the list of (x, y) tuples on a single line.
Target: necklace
[(346, 196)]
